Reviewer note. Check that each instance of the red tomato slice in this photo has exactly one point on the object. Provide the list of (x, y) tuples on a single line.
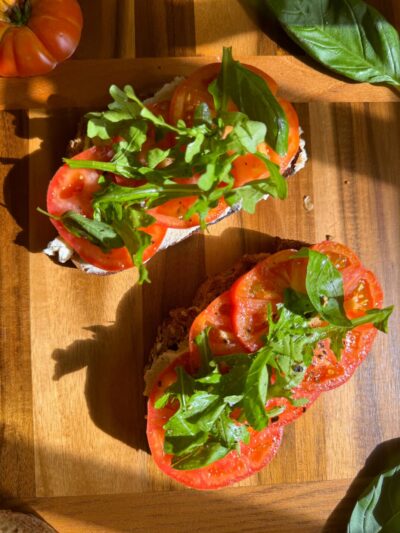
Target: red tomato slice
[(262, 285), (362, 292), (194, 90), (222, 339), (73, 190), (265, 284), (249, 167), (291, 413), (171, 214), (231, 469)]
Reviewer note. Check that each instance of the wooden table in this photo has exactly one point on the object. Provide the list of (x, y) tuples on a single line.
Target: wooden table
[(72, 347)]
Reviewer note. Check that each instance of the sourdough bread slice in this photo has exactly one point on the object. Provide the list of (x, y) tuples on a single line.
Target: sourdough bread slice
[(172, 335)]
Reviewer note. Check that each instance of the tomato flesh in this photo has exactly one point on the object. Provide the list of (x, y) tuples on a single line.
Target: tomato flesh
[(172, 213), (73, 190), (265, 284), (253, 457)]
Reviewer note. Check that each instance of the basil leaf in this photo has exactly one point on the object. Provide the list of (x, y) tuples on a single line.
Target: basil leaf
[(99, 233), (378, 509), (298, 302), (202, 456), (255, 391), (324, 286), (348, 36), (253, 97)]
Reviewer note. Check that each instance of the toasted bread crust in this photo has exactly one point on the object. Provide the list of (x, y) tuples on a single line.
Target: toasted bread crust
[(173, 332)]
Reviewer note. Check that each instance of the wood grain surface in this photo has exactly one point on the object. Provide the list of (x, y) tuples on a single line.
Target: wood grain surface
[(73, 347)]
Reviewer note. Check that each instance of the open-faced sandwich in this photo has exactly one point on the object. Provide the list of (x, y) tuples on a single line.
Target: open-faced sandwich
[(261, 342), (149, 174)]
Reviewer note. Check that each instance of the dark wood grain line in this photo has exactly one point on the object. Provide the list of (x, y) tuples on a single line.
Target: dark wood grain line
[(17, 476), (180, 28), (164, 28), (301, 507)]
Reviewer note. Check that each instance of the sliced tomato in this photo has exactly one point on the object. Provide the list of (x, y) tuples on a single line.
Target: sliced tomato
[(193, 90), (263, 285), (249, 167), (172, 213), (231, 469), (222, 339), (73, 190), (291, 412), (362, 292)]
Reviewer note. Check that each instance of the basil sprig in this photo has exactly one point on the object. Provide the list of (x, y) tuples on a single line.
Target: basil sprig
[(347, 36), (204, 428), (253, 97)]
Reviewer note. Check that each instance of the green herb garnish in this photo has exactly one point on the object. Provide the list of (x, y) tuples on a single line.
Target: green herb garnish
[(207, 149), (206, 425), (347, 36)]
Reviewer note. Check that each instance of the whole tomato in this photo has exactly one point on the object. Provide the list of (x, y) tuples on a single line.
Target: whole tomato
[(36, 35)]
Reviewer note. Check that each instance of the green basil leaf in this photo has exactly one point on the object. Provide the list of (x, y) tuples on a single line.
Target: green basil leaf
[(255, 391), (253, 97), (324, 286), (183, 444), (298, 302), (99, 233), (202, 456), (348, 36), (378, 509)]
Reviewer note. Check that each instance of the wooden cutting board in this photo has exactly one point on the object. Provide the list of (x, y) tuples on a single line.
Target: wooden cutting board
[(73, 346)]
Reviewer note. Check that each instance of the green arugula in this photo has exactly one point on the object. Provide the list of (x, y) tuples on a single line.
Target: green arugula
[(207, 149), (206, 426)]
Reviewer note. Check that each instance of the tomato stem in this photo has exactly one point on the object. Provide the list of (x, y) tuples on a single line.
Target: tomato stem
[(20, 12)]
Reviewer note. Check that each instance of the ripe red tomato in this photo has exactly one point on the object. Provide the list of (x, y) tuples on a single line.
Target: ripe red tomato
[(231, 469), (266, 283), (73, 190), (362, 292), (172, 213), (36, 35), (222, 339)]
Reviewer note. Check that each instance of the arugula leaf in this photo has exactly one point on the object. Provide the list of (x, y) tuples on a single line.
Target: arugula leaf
[(378, 509), (348, 36), (253, 97)]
